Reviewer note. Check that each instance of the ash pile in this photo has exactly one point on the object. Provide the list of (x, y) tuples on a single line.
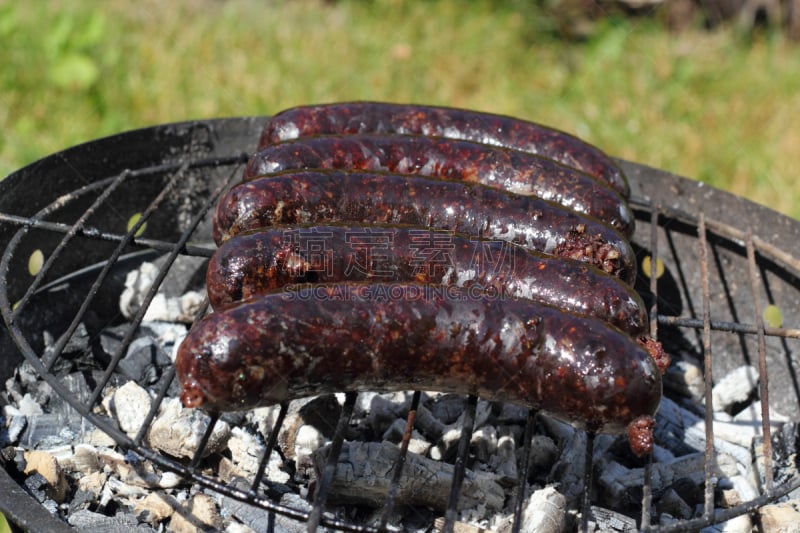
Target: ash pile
[(80, 474)]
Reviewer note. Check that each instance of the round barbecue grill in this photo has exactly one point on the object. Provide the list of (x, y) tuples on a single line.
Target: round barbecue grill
[(73, 224)]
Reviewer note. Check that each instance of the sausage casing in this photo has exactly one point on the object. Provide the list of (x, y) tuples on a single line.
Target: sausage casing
[(257, 263), (379, 117), (495, 166), (312, 197), (350, 337)]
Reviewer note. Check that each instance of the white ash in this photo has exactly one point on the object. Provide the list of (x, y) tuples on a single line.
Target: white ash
[(686, 379), (783, 516), (130, 404), (544, 511), (736, 387), (183, 308)]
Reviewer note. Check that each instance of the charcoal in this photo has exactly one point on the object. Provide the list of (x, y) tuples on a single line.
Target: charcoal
[(671, 502), (447, 446), (686, 379), (82, 500), (178, 431), (483, 444), (130, 405), (257, 518), (45, 464), (447, 407), (570, 468), (199, 514), (543, 454), (504, 461), (90, 522), (365, 469), (544, 512), (143, 362), (13, 459), (610, 521), (11, 425), (78, 345), (53, 430), (735, 389), (111, 341), (155, 508), (36, 485), (322, 412), (783, 516), (417, 443), (78, 389)]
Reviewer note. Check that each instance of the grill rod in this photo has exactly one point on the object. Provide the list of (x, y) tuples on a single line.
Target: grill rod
[(673, 320)]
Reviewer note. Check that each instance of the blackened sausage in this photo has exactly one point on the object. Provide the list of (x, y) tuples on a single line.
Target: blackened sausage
[(510, 170), (379, 117), (310, 197), (351, 337), (268, 260)]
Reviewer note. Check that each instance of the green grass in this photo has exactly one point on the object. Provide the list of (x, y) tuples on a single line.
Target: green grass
[(717, 107)]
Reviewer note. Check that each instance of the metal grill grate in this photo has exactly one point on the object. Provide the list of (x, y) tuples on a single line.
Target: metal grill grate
[(710, 303)]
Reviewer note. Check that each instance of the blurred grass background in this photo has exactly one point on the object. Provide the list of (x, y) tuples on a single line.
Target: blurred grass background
[(719, 106)]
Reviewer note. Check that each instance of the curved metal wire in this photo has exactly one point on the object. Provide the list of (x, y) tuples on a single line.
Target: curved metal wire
[(754, 245)]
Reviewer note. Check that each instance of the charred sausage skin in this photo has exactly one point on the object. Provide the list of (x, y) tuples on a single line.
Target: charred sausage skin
[(315, 197), (350, 337), (498, 167), (264, 261), (487, 128)]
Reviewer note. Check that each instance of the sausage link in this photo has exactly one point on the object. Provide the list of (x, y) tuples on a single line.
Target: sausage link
[(353, 337), (310, 197), (268, 260), (499, 130), (511, 170)]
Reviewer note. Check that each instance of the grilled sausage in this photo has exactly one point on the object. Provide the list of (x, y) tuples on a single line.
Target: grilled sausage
[(352, 337), (468, 208), (378, 117), (268, 260), (511, 170)]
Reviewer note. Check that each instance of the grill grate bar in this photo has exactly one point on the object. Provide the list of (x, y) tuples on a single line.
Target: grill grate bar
[(77, 226), (707, 231), (155, 405), (724, 230), (26, 222), (271, 443), (762, 362), (333, 460), (653, 271), (731, 327), (120, 351), (62, 342), (647, 495), (162, 273), (401, 460), (201, 447), (723, 515), (91, 232), (461, 463), (586, 503), (708, 506), (522, 482)]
